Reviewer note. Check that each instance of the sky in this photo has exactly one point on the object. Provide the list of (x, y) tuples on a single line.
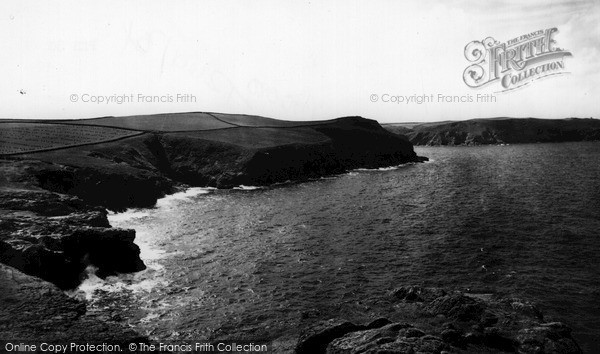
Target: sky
[(295, 60)]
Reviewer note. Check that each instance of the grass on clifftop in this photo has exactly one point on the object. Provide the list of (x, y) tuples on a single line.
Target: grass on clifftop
[(30, 136), (26, 137)]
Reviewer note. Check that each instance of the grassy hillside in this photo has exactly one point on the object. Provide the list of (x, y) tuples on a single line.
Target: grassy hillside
[(257, 121), (500, 131), (23, 137), (26, 136), (161, 122), (259, 137)]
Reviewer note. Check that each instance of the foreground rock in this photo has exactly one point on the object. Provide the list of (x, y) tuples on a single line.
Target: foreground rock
[(36, 311), (450, 322), (56, 237)]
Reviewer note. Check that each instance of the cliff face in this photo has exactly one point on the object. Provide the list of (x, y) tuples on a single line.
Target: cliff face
[(500, 131), (304, 153)]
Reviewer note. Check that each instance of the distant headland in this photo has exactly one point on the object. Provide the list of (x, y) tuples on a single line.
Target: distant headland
[(501, 130)]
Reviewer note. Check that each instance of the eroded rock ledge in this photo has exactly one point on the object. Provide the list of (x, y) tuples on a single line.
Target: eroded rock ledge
[(35, 310), (56, 236), (445, 322)]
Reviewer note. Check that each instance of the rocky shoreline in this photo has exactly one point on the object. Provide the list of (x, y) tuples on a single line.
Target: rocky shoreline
[(435, 320)]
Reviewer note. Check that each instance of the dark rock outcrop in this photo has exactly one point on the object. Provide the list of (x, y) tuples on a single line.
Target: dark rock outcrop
[(500, 131), (393, 338), (55, 237), (37, 311), (446, 322), (316, 339)]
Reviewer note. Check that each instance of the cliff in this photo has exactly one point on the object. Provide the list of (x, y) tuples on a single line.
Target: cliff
[(499, 131)]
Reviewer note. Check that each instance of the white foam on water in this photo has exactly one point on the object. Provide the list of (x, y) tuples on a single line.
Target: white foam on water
[(148, 253), (89, 285), (391, 168), (189, 193), (149, 317), (382, 169), (147, 285), (152, 277), (242, 187), (127, 215), (114, 284)]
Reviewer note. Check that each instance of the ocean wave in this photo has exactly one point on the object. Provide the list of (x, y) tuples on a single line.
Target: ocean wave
[(94, 288), (127, 215), (165, 202), (242, 187), (383, 169), (187, 194)]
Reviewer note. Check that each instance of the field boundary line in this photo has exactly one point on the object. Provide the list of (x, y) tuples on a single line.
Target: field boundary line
[(74, 145), (73, 124)]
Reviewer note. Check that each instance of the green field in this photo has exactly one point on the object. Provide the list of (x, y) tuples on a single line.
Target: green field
[(257, 121), (254, 137), (23, 137), (159, 122)]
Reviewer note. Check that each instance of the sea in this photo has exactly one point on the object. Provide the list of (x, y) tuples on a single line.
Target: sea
[(263, 262)]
